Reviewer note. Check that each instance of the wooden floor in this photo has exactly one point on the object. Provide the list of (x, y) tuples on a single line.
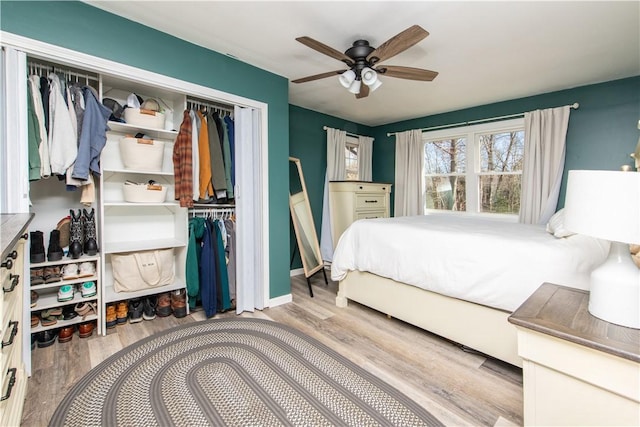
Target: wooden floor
[(459, 387)]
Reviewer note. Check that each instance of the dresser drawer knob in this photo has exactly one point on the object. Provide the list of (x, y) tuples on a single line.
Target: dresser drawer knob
[(15, 279), (371, 201), (12, 382), (13, 254), (12, 324), (8, 264)]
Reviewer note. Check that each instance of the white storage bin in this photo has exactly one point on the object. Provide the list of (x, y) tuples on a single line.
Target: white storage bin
[(145, 118), (142, 154), (144, 193)]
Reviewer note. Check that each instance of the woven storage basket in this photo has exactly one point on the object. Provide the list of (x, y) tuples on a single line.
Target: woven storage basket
[(142, 154), (146, 118), (144, 193)]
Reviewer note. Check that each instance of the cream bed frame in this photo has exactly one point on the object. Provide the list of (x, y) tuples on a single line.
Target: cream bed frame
[(476, 326)]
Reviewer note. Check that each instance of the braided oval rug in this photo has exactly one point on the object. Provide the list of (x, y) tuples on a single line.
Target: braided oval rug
[(234, 372)]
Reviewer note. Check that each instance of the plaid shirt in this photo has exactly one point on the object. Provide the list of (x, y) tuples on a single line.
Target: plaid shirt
[(182, 166)]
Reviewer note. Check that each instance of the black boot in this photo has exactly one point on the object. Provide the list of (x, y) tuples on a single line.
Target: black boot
[(90, 238), (75, 238), (37, 247), (54, 252)]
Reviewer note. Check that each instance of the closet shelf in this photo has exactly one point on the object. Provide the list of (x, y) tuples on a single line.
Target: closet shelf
[(66, 260), (110, 295), (59, 283), (50, 300), (137, 205), (63, 323), (154, 133), (141, 172), (144, 245)]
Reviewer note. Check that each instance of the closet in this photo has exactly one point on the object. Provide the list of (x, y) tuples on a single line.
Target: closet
[(123, 226)]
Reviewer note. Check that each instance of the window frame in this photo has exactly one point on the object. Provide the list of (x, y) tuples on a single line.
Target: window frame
[(472, 166), (353, 141)]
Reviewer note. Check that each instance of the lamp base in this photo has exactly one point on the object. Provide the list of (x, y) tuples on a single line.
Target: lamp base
[(615, 289)]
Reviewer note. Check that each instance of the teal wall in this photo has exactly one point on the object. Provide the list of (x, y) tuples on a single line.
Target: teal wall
[(86, 29), (308, 142)]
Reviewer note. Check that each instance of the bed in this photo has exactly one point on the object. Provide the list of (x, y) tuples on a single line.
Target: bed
[(458, 276)]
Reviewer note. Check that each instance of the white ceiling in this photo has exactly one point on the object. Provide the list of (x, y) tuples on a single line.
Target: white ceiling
[(485, 52)]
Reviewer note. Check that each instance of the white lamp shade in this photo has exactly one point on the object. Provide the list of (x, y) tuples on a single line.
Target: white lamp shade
[(375, 85), (355, 87), (368, 76), (347, 78), (604, 204)]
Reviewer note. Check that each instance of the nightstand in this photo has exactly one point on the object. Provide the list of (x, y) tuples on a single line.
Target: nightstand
[(577, 369)]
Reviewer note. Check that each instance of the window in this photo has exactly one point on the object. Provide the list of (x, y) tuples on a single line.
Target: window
[(474, 169), (351, 159)]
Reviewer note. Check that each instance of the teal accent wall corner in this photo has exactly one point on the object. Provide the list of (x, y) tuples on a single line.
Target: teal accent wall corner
[(83, 28), (308, 142)]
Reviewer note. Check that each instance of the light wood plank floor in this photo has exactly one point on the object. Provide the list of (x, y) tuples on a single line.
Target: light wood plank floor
[(459, 387)]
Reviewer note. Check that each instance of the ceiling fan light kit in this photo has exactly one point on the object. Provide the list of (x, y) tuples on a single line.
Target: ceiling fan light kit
[(362, 60)]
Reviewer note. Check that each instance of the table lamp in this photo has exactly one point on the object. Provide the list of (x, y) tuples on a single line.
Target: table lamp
[(606, 205)]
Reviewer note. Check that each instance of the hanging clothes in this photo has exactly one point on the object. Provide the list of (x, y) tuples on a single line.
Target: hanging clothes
[(231, 133), (63, 147), (93, 135), (208, 275), (230, 226), (226, 154), (33, 139), (217, 162), (195, 159), (205, 160), (43, 143), (182, 157), (194, 254), (223, 299)]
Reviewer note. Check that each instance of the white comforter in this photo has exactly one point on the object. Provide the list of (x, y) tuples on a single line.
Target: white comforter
[(481, 260)]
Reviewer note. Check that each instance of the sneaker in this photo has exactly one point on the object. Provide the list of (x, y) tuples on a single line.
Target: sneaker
[(135, 310), (70, 271), (149, 308), (87, 269), (89, 289), (65, 293)]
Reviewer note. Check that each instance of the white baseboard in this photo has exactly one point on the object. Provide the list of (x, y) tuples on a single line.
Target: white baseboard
[(284, 299), (296, 272)]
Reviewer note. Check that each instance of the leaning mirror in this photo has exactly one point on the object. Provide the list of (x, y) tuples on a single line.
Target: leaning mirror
[(303, 225)]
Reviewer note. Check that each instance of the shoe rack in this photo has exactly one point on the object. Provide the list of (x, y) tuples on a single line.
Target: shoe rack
[(128, 226), (47, 299)]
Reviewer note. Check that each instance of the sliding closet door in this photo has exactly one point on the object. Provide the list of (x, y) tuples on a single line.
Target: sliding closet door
[(14, 193), (249, 203)]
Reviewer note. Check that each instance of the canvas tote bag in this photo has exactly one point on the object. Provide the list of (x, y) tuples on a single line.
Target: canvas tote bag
[(135, 271)]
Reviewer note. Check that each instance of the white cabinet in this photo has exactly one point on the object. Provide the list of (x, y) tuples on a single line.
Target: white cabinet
[(14, 380), (354, 200), (129, 226)]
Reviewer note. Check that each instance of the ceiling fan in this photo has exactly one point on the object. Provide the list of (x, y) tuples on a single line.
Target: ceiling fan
[(363, 62)]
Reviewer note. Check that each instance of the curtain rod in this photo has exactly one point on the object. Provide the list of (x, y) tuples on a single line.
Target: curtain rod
[(574, 106), (348, 133)]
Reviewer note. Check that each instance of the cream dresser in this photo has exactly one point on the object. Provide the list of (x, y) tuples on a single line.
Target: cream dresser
[(578, 370), (14, 382), (354, 200)]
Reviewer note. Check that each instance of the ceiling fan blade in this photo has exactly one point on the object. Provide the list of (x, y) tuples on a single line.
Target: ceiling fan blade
[(407, 73), (323, 48), (318, 76), (364, 92), (398, 43)]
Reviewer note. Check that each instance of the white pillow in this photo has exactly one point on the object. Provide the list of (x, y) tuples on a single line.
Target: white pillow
[(556, 226)]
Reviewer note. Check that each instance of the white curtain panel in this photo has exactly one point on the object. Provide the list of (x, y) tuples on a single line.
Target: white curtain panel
[(336, 143), (544, 153), (408, 200), (365, 154)]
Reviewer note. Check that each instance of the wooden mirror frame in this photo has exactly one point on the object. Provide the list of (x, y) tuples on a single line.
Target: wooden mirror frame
[(305, 230)]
